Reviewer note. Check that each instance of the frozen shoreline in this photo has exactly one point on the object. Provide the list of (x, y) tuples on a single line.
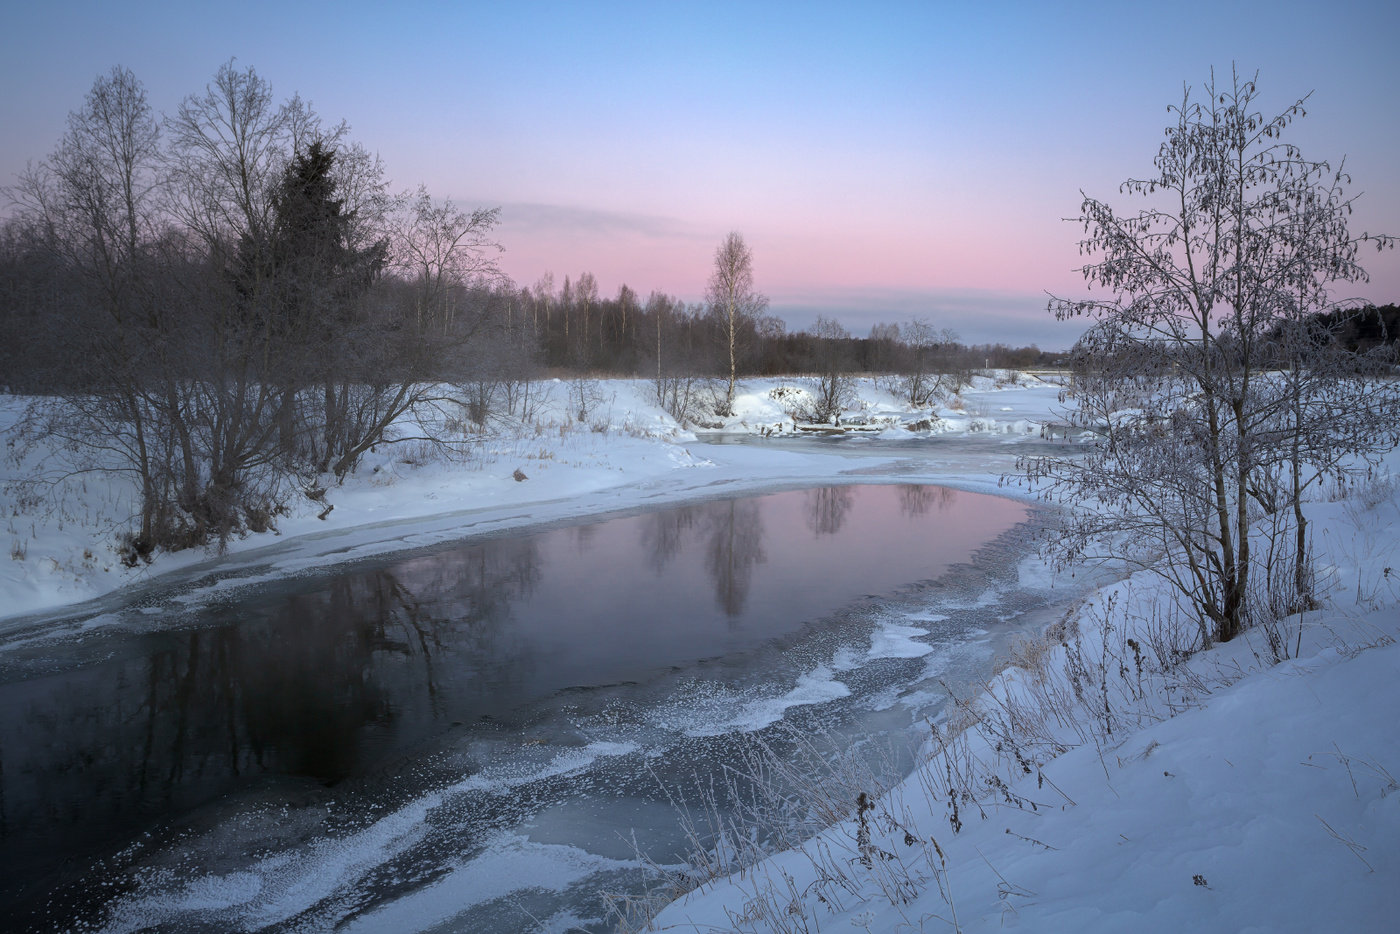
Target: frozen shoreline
[(70, 567), (1087, 790), (1274, 784)]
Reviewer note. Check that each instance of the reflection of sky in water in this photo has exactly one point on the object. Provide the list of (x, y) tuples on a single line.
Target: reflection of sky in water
[(323, 678), (636, 594)]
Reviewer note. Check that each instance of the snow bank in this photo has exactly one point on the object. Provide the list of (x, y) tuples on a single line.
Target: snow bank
[(628, 452), (1223, 793)]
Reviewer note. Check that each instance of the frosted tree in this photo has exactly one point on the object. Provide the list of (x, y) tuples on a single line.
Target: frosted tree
[(1239, 236), (735, 304), (831, 351)]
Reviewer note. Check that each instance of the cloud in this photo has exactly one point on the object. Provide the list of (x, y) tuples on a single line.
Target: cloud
[(559, 220), (980, 316)]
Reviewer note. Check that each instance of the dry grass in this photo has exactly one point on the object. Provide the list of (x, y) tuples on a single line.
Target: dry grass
[(785, 788)]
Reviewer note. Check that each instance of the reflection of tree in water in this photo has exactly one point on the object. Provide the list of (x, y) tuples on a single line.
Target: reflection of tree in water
[(583, 536), (734, 546), (732, 534), (915, 500), (663, 533), (470, 594), (826, 508), (303, 688), (371, 651), (303, 685)]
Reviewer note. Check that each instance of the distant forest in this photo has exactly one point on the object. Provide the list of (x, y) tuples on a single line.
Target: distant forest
[(1361, 330), (247, 234), (230, 301), (227, 302), (56, 320)]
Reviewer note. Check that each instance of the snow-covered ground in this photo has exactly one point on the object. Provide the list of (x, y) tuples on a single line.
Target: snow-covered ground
[(628, 454), (1226, 793), (1091, 788)]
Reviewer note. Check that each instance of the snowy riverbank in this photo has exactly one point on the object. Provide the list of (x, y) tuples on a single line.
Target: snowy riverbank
[(1099, 783), (627, 455), (1100, 786)]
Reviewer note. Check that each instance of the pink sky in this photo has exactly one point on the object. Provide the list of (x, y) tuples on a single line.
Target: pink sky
[(883, 160)]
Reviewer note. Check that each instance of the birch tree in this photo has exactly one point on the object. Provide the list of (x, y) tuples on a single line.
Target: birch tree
[(735, 303), (1240, 233)]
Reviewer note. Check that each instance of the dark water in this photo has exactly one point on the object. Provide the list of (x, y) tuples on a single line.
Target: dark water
[(327, 746)]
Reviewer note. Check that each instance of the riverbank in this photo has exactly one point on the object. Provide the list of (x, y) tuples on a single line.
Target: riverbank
[(629, 454), (328, 853), (1100, 782), (1103, 781)]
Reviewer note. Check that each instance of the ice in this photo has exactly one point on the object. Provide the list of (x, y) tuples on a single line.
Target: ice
[(279, 887), (845, 659), (815, 687), (510, 863), (283, 886), (213, 893), (570, 762), (894, 641), (1270, 802), (1034, 572)]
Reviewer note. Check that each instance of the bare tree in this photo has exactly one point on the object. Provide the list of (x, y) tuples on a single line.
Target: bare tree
[(931, 362), (543, 294), (229, 147), (679, 376), (735, 303), (1240, 233), (226, 299), (1330, 411), (832, 356), (585, 300), (229, 151), (886, 341), (441, 249), (92, 206)]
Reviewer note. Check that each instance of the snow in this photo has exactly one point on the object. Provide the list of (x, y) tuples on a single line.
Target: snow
[(1237, 794), (815, 687), (1249, 793), (894, 641), (629, 455), (511, 862), (1233, 793)]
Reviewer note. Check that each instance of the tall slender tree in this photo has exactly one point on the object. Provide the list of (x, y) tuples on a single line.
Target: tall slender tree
[(735, 303)]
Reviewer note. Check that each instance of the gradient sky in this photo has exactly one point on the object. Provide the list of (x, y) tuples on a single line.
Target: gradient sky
[(884, 160)]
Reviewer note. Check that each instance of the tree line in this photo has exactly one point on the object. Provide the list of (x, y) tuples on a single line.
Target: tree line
[(229, 302)]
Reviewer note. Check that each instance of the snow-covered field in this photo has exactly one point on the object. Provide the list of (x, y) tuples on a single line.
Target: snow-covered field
[(1091, 788)]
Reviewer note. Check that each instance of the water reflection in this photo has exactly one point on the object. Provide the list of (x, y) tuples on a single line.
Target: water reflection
[(916, 500), (320, 679), (734, 547), (662, 535), (312, 684), (732, 533), (827, 507)]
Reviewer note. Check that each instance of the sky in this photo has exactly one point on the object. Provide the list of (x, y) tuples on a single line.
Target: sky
[(884, 160)]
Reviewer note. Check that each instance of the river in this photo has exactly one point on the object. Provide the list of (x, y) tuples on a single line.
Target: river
[(480, 735)]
